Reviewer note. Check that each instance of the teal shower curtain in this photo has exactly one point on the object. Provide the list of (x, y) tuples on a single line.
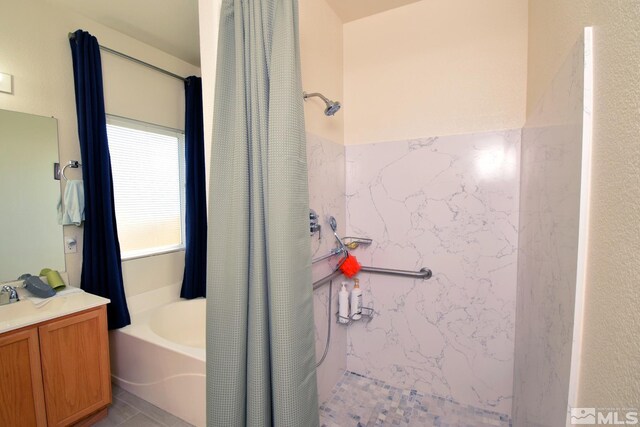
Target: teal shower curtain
[(260, 337)]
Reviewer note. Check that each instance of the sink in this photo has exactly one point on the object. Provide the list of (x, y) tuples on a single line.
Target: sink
[(24, 307), (25, 312), (17, 312)]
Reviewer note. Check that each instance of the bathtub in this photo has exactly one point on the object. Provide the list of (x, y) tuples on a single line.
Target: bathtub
[(160, 357)]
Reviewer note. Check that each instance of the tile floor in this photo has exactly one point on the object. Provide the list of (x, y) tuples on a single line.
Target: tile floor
[(358, 401), (128, 410)]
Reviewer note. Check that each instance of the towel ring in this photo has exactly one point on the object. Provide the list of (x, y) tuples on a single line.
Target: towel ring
[(73, 164)]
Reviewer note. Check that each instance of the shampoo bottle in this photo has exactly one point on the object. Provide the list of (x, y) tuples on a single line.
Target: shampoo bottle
[(343, 304), (356, 300)]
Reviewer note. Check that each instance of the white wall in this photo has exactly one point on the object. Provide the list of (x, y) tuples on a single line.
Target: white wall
[(611, 350), (35, 49), (321, 44), (209, 16), (449, 204), (550, 190), (438, 67)]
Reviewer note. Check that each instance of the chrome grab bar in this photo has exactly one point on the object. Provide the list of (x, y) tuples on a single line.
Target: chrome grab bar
[(334, 252), (424, 273), (318, 283), (352, 243)]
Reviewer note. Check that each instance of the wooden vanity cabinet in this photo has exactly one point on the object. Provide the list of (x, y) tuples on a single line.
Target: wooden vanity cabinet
[(58, 372), (74, 353), (21, 394)]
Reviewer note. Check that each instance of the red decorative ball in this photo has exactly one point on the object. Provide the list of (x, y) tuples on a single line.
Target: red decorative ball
[(350, 267)]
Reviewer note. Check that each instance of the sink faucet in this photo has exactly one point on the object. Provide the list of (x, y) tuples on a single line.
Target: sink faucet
[(13, 295)]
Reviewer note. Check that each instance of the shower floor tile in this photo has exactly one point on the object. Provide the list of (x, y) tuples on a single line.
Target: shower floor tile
[(358, 401)]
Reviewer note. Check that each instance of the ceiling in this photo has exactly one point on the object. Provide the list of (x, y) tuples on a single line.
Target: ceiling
[(172, 26), (350, 10), (168, 25)]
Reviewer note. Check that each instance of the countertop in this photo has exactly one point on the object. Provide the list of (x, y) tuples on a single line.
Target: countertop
[(25, 312)]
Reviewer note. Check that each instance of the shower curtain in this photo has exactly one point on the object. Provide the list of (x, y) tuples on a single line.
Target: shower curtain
[(260, 333)]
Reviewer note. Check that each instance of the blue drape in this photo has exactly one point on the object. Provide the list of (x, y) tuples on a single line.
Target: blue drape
[(194, 282), (101, 263)]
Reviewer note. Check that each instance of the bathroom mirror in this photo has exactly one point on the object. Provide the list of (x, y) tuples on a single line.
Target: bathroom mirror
[(30, 236)]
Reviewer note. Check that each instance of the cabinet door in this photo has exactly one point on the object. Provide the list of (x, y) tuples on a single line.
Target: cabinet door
[(21, 397), (75, 366)]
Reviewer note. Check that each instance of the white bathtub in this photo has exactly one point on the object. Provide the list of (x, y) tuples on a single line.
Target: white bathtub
[(160, 357)]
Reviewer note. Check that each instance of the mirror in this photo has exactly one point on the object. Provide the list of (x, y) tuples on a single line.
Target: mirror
[(30, 236)]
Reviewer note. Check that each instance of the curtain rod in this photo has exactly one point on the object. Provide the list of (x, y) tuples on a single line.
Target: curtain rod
[(136, 60)]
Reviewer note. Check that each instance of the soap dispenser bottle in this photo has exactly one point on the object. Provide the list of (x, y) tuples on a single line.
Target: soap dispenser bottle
[(343, 304), (356, 300)]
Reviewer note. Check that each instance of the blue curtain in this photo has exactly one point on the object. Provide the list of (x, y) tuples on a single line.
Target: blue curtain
[(194, 282), (101, 263)]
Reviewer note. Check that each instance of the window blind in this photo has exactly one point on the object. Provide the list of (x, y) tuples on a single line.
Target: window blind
[(147, 163)]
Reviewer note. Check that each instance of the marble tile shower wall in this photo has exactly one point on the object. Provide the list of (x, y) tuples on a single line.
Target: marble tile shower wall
[(549, 215), (325, 160), (450, 204)]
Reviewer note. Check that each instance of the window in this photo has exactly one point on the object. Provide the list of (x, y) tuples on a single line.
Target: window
[(147, 163)]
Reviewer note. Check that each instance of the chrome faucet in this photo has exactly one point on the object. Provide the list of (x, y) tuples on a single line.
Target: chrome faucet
[(12, 295)]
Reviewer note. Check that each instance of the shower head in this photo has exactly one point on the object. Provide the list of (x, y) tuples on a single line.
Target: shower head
[(332, 106), (333, 224)]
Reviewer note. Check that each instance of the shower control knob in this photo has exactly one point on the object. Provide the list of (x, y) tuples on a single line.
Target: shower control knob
[(314, 226)]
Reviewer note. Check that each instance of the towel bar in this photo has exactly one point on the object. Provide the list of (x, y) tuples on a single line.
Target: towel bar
[(57, 173)]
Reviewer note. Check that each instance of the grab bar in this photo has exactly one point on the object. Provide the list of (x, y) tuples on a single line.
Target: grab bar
[(334, 252), (424, 272), (337, 272), (318, 283), (354, 242)]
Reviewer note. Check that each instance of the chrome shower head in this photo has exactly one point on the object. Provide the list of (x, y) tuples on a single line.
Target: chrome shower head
[(332, 106), (334, 226), (333, 223)]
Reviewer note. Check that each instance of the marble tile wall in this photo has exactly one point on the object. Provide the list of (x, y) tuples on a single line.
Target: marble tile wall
[(326, 166), (549, 219), (450, 204)]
